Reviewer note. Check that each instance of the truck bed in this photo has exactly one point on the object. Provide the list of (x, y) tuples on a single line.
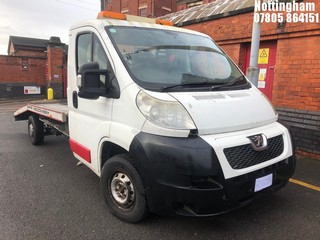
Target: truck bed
[(54, 115), (56, 110)]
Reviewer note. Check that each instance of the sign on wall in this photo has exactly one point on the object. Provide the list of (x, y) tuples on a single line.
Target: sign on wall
[(263, 56), (31, 90)]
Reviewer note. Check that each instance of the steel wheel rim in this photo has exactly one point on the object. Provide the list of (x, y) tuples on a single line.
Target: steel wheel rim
[(122, 190), (31, 130)]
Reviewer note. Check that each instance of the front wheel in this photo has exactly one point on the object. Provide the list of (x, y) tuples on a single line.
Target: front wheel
[(123, 190)]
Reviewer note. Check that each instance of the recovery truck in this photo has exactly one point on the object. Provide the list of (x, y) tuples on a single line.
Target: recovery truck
[(166, 120)]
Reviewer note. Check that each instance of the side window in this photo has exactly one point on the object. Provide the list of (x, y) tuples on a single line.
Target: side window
[(89, 49), (99, 55), (84, 49)]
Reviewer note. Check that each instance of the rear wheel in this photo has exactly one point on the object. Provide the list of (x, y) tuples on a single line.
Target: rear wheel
[(123, 190), (35, 130)]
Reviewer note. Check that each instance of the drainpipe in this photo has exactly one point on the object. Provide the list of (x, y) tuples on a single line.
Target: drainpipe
[(152, 8), (253, 70), (103, 6)]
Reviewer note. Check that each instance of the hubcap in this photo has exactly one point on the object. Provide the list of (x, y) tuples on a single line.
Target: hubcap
[(122, 190), (30, 130)]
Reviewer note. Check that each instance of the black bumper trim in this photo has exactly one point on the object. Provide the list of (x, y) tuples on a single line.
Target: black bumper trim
[(184, 176)]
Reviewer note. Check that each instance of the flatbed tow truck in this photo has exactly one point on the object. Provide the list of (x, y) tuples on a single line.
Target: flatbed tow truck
[(53, 115), (166, 120)]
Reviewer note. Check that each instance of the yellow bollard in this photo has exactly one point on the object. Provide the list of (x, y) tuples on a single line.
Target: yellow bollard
[(50, 94)]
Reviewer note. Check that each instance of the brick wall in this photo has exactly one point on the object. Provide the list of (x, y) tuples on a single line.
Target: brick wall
[(154, 8), (129, 7), (297, 73), (55, 70), (305, 128), (19, 71), (162, 7), (13, 78)]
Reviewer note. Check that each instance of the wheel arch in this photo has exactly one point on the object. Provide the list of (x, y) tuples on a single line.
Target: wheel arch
[(108, 150)]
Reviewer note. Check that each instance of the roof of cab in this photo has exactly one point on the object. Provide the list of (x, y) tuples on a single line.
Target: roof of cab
[(101, 23)]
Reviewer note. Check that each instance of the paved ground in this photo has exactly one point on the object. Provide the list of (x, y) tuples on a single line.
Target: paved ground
[(44, 195), (10, 105)]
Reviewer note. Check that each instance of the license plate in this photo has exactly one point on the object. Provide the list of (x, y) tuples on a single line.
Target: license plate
[(263, 182)]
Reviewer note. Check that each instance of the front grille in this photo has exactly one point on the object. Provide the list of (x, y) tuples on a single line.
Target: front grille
[(245, 156)]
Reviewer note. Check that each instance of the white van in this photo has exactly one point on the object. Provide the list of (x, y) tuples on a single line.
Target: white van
[(166, 119)]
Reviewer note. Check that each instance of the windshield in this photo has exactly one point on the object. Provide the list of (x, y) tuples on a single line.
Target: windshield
[(162, 59)]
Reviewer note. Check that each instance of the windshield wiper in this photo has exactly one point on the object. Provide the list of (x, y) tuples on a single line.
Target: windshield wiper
[(232, 83), (190, 80), (184, 85), (205, 82)]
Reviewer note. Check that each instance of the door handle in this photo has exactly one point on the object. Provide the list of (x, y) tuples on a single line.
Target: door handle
[(75, 99)]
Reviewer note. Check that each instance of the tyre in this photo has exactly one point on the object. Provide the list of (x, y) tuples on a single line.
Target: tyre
[(122, 189), (35, 130)]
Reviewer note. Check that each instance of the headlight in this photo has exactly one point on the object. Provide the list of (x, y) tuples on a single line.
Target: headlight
[(167, 114)]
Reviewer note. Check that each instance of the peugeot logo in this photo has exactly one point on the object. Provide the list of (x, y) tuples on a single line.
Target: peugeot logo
[(259, 142)]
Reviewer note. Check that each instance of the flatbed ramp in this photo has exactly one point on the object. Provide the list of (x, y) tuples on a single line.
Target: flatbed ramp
[(55, 110), (53, 114)]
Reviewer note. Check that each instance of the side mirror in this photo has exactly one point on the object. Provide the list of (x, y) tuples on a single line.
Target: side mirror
[(93, 82)]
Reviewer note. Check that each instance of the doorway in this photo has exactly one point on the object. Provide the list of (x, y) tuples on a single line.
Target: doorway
[(266, 65)]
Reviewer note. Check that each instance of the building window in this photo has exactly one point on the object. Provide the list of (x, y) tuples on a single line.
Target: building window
[(143, 12), (166, 10), (25, 64), (125, 11), (193, 4)]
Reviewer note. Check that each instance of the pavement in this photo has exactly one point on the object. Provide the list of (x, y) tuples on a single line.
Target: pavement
[(25, 100), (307, 173), (45, 195)]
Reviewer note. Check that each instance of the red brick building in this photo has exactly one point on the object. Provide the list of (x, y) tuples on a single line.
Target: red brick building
[(144, 8), (33, 64)]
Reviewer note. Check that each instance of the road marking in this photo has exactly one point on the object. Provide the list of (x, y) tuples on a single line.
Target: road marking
[(307, 185)]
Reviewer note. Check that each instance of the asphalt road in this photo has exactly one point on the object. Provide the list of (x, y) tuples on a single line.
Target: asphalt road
[(44, 195)]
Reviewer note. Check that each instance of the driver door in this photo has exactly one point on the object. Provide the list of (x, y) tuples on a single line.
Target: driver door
[(89, 118)]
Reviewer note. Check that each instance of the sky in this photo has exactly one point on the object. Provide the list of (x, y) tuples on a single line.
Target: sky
[(42, 18)]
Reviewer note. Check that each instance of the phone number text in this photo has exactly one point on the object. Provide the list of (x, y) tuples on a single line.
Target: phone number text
[(288, 17)]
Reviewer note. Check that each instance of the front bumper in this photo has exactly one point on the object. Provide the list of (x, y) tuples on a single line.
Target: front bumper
[(184, 176)]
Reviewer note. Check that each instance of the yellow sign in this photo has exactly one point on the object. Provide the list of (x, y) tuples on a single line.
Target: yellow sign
[(263, 56)]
